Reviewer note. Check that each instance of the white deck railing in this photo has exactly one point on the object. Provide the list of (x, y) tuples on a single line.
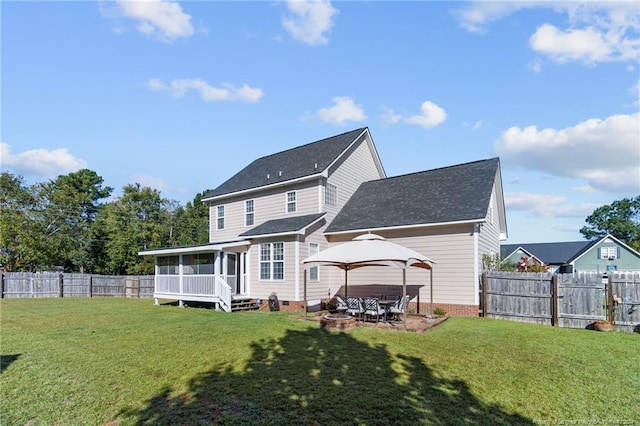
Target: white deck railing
[(211, 288)]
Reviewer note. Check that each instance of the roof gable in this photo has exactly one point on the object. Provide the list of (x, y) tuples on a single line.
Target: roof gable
[(302, 161), (287, 225), (450, 194), (598, 243)]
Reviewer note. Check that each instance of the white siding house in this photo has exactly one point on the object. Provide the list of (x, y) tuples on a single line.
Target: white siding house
[(282, 208)]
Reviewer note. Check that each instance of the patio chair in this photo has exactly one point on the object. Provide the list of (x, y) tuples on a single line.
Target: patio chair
[(341, 304), (355, 307), (372, 308), (399, 307)]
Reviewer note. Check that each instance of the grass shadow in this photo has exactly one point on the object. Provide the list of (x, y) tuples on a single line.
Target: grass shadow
[(7, 360), (319, 377)]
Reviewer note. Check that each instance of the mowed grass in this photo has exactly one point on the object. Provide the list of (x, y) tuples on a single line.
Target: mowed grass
[(124, 362)]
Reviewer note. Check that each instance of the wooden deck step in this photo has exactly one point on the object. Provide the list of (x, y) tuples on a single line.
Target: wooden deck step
[(243, 305)]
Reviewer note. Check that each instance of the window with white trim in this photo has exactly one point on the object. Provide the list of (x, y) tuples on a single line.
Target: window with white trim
[(608, 252), (331, 195), (220, 217), (248, 213), (272, 261), (291, 202), (314, 273)]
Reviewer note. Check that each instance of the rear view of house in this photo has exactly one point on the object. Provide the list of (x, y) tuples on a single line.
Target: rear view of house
[(284, 207)]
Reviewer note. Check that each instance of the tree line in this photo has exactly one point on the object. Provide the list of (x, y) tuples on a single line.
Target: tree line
[(73, 222)]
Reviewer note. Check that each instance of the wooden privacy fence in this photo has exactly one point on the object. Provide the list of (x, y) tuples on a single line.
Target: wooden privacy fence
[(562, 300), (55, 284)]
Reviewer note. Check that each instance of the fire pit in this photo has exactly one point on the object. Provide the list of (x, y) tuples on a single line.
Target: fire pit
[(337, 322)]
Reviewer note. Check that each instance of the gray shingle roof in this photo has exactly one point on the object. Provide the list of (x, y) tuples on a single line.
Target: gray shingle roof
[(283, 226), (550, 253), (295, 163), (449, 194)]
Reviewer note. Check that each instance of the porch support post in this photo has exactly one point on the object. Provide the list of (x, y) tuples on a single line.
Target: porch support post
[(180, 304), (156, 301), (241, 259), (216, 263)]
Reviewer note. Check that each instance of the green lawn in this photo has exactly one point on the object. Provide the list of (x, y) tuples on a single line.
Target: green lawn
[(124, 361)]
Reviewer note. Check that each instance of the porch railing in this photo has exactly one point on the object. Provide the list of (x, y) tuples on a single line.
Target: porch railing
[(224, 291), (196, 286)]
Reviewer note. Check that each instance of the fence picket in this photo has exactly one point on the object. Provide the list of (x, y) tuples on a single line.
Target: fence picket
[(54, 284), (564, 300)]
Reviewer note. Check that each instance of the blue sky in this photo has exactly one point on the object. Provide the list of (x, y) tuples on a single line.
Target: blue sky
[(179, 96)]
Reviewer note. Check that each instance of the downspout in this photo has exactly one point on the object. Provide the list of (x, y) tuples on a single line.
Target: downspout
[(476, 265), (297, 268)]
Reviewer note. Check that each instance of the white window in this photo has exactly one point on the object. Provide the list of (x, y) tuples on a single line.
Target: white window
[(248, 213), (331, 195), (220, 217), (608, 252), (272, 261), (314, 273), (291, 202)]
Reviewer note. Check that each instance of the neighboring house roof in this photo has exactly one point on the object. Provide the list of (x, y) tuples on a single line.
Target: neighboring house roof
[(287, 225), (550, 253), (452, 194), (302, 161), (603, 238)]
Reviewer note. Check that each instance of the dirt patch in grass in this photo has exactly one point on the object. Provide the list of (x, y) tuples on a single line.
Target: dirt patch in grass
[(415, 323)]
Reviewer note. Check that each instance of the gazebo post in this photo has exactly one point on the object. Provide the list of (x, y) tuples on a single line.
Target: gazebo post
[(346, 270), (404, 293), (431, 291), (306, 306)]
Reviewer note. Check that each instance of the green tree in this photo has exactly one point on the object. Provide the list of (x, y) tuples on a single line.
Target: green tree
[(22, 247), (136, 221), (191, 223), (71, 205), (620, 219)]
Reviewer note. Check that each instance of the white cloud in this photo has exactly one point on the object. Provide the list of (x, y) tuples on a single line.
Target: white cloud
[(343, 110), (475, 17), (40, 162), (160, 19), (151, 182), (309, 21), (474, 126), (536, 65), (227, 92), (596, 31), (605, 153), (389, 116), (588, 45), (431, 116), (547, 205)]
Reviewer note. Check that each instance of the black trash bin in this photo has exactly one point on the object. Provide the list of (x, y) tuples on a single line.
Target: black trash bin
[(274, 304)]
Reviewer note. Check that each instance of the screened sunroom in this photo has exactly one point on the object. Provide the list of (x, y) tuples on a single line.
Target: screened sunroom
[(215, 273)]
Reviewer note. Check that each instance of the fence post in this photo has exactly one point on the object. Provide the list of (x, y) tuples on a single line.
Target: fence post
[(485, 295), (609, 290), (60, 286), (2, 285), (554, 301), (138, 285), (90, 285)]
